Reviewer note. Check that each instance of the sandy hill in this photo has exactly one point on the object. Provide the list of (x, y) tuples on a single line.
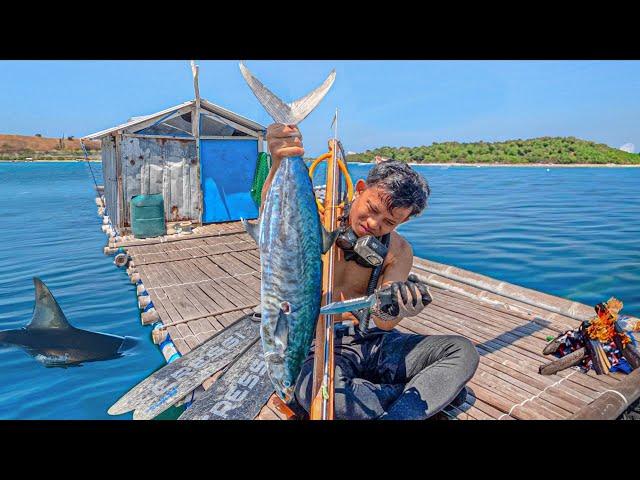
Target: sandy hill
[(27, 143)]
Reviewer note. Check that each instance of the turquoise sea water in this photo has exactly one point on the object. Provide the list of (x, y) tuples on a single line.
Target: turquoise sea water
[(572, 232), (50, 229)]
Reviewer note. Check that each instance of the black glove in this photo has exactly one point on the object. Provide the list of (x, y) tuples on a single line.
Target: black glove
[(402, 299)]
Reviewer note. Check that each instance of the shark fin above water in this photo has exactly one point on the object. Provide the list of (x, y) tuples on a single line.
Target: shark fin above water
[(47, 314), (54, 342)]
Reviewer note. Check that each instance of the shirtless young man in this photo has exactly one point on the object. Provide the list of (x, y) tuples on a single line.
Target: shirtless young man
[(383, 374)]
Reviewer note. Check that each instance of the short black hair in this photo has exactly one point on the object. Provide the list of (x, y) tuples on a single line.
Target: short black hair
[(404, 186)]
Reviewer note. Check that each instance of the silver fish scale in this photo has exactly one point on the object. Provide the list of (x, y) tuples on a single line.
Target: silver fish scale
[(290, 252)]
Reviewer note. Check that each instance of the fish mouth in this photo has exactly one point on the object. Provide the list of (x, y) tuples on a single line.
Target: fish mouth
[(128, 343), (287, 395), (275, 368)]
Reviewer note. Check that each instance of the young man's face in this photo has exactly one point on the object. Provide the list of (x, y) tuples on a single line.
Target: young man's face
[(369, 214)]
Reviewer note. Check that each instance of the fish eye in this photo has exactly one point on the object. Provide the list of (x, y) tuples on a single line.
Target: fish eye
[(285, 307)]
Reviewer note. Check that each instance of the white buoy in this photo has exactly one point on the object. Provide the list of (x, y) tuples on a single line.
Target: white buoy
[(121, 260), (143, 301), (159, 335), (149, 317)]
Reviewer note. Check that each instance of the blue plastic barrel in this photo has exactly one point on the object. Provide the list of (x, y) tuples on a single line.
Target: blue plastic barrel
[(147, 216)]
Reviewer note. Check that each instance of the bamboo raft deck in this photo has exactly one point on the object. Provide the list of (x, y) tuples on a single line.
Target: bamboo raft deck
[(203, 282)]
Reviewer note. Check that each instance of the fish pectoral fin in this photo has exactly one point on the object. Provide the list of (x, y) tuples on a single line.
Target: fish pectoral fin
[(281, 333), (253, 229), (328, 238)]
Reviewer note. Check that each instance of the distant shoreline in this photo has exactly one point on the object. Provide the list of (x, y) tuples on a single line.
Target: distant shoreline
[(49, 161), (538, 165)]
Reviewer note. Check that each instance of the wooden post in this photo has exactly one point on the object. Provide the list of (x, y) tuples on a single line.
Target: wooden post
[(195, 125), (121, 202)]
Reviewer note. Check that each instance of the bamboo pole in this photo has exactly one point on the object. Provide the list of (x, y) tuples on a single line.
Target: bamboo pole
[(322, 407), (613, 402), (205, 315), (193, 257), (571, 360), (194, 236), (561, 306)]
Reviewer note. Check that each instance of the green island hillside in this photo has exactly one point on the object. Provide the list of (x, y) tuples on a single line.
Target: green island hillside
[(550, 150)]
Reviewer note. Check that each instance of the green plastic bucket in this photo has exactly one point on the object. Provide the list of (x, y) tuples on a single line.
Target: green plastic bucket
[(147, 216)]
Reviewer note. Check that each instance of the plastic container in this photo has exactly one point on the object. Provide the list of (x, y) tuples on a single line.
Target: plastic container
[(147, 216)]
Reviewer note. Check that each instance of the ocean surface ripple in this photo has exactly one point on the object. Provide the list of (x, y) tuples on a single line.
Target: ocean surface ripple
[(571, 232)]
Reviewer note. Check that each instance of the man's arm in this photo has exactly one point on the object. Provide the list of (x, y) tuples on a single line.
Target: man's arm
[(282, 141), (397, 270)]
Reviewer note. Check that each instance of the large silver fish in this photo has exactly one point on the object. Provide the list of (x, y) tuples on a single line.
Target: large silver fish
[(291, 241)]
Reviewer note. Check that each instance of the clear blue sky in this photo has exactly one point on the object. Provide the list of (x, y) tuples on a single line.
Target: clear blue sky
[(392, 103)]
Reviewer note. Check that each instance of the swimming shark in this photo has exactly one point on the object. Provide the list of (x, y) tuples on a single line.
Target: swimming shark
[(54, 342)]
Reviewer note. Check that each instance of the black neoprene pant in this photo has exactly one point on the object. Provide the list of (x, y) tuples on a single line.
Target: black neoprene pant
[(390, 375)]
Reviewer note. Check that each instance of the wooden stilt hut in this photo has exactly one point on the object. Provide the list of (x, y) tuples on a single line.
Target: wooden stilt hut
[(201, 157)]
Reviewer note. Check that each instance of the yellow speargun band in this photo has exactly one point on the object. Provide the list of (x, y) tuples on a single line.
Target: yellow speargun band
[(344, 171)]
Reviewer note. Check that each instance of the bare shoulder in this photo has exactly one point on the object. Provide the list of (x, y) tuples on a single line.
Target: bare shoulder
[(400, 255), (399, 247), (399, 260)]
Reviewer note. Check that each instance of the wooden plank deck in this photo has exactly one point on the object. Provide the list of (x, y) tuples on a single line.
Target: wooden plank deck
[(203, 282)]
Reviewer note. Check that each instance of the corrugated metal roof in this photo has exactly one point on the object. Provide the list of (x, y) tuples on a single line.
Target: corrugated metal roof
[(223, 112), (204, 104)]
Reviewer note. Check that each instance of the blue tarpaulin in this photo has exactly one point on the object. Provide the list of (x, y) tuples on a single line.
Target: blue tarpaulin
[(227, 174)]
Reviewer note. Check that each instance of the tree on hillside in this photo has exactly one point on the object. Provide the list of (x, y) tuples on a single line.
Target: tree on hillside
[(537, 150)]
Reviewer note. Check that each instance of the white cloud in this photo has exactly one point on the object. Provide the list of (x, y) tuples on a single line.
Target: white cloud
[(628, 147)]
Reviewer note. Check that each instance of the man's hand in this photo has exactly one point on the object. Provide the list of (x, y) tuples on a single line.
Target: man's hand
[(284, 141), (402, 299)]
